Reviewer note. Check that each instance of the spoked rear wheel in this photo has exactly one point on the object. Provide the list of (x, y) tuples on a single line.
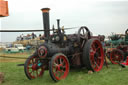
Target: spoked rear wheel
[(33, 67), (116, 56), (59, 67), (93, 55)]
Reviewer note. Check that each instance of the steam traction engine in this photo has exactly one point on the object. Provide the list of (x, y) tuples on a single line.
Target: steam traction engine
[(59, 52), (117, 50)]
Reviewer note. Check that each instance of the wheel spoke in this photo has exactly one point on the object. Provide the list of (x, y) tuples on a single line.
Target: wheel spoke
[(93, 64), (55, 65), (31, 72), (36, 61), (83, 31), (32, 61), (56, 73), (37, 73), (97, 48), (56, 61), (120, 58), (60, 61), (61, 74), (113, 58), (96, 64), (63, 63), (99, 57), (29, 67), (64, 66), (94, 48), (92, 53)]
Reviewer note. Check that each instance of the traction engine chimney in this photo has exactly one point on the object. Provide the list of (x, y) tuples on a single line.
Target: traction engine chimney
[(45, 12)]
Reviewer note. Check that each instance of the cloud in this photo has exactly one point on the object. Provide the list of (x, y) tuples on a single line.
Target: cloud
[(100, 16)]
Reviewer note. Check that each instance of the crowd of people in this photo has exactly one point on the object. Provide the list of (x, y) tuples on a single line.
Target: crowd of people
[(28, 37)]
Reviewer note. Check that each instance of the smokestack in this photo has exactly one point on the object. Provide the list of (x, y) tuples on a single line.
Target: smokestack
[(45, 12)]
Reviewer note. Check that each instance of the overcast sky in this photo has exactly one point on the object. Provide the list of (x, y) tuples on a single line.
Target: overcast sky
[(100, 16)]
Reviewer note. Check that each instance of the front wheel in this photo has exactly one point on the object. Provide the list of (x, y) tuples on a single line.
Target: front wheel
[(59, 67), (33, 67)]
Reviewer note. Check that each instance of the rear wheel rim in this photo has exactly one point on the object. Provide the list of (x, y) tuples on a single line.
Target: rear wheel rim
[(60, 67), (34, 68), (116, 57), (96, 55)]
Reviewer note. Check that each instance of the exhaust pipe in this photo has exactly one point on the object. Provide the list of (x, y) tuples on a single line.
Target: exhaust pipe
[(45, 13)]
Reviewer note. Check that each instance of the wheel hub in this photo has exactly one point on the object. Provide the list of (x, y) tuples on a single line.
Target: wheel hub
[(34, 67), (117, 56), (59, 67)]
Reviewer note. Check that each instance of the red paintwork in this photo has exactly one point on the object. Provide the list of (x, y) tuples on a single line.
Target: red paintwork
[(125, 63), (42, 52), (59, 63), (116, 57), (33, 69), (124, 48), (96, 56)]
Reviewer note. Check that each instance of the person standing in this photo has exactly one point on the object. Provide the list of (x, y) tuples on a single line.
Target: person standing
[(33, 35)]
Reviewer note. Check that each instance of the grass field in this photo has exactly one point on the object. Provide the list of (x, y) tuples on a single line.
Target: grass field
[(12, 55), (114, 75)]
